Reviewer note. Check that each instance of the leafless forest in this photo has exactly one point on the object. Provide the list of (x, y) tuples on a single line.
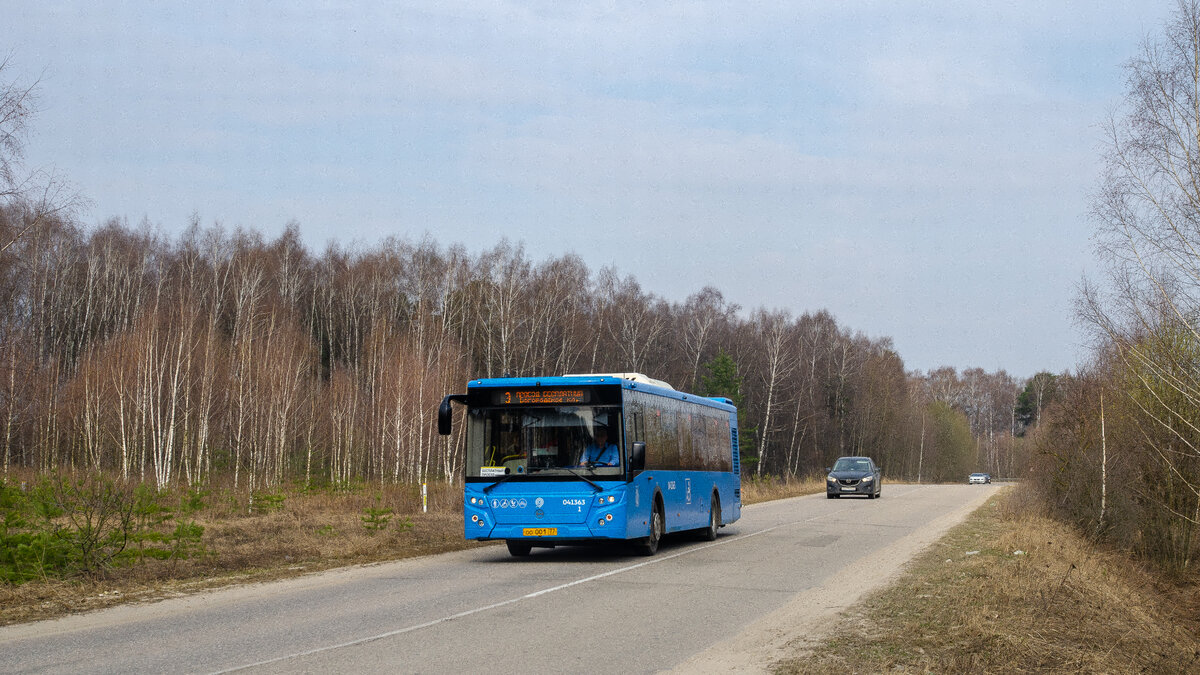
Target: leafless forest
[(1118, 454), (224, 357)]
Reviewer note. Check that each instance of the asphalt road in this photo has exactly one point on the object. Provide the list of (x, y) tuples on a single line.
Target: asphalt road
[(779, 572)]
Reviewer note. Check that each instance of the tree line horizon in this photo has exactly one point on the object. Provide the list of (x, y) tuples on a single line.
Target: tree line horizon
[(226, 357)]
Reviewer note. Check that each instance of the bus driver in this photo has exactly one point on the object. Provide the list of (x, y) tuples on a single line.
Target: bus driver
[(600, 452)]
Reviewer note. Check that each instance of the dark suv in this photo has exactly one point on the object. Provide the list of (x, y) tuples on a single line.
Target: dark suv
[(853, 476)]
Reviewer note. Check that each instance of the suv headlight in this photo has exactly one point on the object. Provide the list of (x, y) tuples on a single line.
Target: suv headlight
[(868, 479), (831, 479)]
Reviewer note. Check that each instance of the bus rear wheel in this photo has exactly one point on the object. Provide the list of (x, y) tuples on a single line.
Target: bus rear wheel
[(518, 549), (714, 520), (649, 545)]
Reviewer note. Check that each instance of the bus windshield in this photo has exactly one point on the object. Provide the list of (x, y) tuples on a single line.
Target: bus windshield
[(544, 441)]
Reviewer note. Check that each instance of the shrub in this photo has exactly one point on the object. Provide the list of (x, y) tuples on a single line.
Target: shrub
[(376, 518), (67, 527)]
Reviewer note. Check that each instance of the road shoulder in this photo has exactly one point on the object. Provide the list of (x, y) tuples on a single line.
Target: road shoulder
[(807, 617)]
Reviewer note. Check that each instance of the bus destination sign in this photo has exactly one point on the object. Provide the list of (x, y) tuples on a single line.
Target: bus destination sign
[(540, 396)]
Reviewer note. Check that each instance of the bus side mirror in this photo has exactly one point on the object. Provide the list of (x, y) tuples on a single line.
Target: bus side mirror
[(637, 458), (445, 415)]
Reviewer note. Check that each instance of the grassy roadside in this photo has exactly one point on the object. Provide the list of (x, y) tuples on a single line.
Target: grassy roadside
[(1011, 592), (287, 534)]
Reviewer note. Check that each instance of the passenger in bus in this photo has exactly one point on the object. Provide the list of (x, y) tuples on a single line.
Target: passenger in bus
[(600, 452)]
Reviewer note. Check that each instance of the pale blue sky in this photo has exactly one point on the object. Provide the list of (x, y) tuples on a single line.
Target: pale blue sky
[(921, 170)]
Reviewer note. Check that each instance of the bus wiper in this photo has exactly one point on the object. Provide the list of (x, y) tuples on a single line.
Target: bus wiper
[(583, 477)]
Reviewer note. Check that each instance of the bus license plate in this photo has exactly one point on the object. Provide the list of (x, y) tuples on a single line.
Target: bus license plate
[(540, 532)]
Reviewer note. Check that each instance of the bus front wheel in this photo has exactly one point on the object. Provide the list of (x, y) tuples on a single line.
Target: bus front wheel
[(518, 549), (649, 545)]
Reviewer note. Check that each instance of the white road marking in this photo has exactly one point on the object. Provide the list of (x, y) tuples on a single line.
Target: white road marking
[(477, 610)]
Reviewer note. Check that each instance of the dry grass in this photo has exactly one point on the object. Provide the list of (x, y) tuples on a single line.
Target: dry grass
[(770, 488), (308, 532), (1012, 592)]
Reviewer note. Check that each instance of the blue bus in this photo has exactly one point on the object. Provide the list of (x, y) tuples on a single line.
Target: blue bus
[(529, 479)]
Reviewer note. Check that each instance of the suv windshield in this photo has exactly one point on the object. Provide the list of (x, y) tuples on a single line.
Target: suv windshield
[(846, 464), (546, 441)]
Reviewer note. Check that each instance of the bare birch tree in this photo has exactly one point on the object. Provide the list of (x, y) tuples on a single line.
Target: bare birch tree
[(777, 364), (1147, 210)]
